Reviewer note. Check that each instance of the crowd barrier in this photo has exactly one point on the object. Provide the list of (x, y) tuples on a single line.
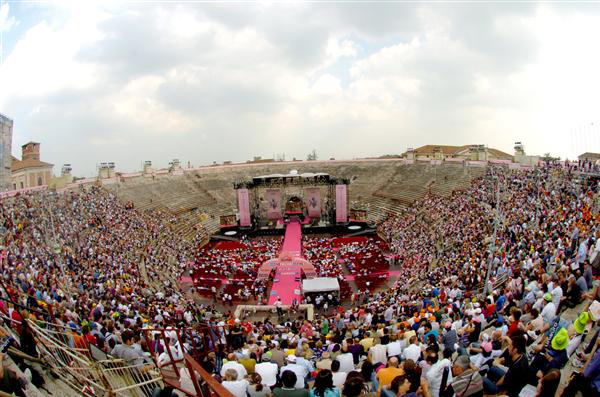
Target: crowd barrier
[(182, 350), (76, 367)]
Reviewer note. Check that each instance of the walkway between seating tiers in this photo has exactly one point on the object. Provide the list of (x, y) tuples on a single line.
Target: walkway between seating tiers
[(287, 284)]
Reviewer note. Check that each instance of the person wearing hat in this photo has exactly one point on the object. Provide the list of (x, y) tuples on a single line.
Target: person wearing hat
[(449, 337), (511, 381), (325, 361), (580, 326), (483, 356), (297, 369), (267, 370), (554, 356), (549, 311), (549, 330)]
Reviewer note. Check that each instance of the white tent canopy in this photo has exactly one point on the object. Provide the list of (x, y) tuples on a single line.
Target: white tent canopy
[(320, 284)]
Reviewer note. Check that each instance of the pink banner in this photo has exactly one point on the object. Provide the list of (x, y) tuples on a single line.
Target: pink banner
[(244, 207), (273, 203), (340, 204), (313, 202)]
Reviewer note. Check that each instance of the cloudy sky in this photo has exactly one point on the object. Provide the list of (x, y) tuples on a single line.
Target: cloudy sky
[(203, 82)]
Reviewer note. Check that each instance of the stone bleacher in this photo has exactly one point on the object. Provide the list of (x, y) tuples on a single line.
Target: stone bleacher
[(383, 188), (412, 182)]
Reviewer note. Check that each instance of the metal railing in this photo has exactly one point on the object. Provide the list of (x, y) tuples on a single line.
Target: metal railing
[(76, 367), (182, 349)]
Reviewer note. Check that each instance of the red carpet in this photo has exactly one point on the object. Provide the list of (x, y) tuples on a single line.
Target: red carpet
[(287, 284), (292, 242)]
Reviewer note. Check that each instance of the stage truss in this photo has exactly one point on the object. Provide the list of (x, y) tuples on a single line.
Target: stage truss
[(291, 186)]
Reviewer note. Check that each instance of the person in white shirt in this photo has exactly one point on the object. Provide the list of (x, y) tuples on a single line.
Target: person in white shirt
[(267, 371), (413, 351), (549, 311), (300, 360), (378, 353), (394, 348), (436, 372), (232, 364), (346, 362), (235, 386), (299, 370), (368, 319), (481, 358), (339, 377), (389, 313), (557, 294)]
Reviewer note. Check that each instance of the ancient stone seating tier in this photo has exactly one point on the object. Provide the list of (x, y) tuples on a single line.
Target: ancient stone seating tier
[(379, 208), (383, 188), (414, 181)]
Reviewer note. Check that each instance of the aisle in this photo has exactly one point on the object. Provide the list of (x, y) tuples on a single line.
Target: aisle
[(287, 284)]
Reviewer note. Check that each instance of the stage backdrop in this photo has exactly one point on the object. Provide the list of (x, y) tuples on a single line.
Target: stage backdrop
[(274, 203), (313, 202), (244, 206), (340, 204)]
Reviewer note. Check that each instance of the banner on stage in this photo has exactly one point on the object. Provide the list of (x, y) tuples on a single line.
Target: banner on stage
[(340, 204), (273, 203), (244, 206), (313, 202)]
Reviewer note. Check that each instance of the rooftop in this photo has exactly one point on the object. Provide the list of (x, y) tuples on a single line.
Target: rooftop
[(29, 163)]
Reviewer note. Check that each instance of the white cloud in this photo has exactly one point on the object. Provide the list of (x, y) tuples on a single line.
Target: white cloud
[(6, 22), (206, 83)]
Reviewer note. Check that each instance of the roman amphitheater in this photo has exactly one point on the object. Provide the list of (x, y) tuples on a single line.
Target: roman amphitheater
[(237, 279)]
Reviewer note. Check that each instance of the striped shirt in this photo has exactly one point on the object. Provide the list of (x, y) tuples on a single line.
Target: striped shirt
[(467, 383)]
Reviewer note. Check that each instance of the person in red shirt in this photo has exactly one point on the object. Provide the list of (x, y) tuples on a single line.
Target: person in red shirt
[(246, 328), (91, 339), (307, 329), (16, 320), (489, 309), (78, 342), (514, 325)]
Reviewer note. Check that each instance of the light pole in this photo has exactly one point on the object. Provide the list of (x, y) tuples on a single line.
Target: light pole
[(493, 242)]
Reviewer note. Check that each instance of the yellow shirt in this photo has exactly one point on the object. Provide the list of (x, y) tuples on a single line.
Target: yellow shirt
[(249, 364), (385, 376), (408, 334), (367, 343)]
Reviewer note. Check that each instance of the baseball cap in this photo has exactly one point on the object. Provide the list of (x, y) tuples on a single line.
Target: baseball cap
[(486, 346)]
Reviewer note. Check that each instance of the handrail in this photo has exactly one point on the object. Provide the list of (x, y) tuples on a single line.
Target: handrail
[(214, 387)]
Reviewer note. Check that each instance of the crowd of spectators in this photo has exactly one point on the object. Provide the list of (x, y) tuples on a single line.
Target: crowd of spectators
[(435, 333), (107, 272)]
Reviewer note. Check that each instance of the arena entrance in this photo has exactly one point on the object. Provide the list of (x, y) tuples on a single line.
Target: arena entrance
[(294, 206)]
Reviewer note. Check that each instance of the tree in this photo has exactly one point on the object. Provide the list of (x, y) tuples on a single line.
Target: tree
[(312, 156), (547, 157)]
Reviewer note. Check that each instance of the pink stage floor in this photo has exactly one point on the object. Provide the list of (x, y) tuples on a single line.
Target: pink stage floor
[(287, 284)]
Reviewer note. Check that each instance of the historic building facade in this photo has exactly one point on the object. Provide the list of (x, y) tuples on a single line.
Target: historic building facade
[(30, 171)]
